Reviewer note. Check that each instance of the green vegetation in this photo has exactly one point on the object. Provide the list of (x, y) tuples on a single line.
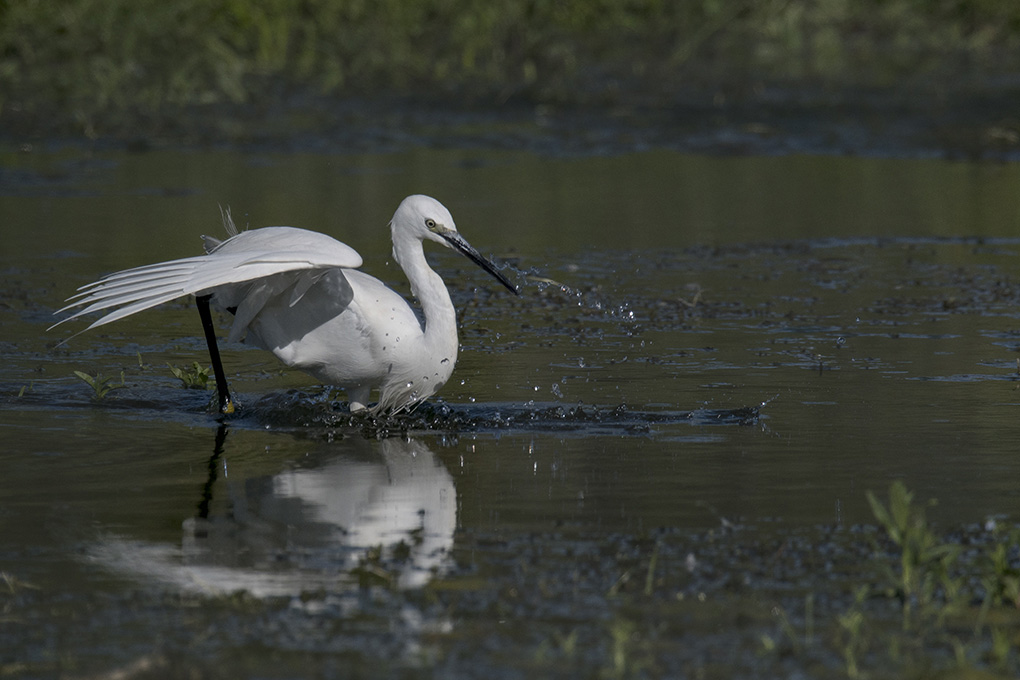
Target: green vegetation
[(924, 565), (912, 604), (968, 612), (196, 377), (100, 386), (100, 65)]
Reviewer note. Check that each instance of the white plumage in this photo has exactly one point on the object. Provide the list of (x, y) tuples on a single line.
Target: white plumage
[(298, 294)]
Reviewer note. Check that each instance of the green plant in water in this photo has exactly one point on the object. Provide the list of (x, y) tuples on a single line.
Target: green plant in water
[(924, 559), (196, 378), (13, 584), (650, 576), (1002, 580), (854, 643), (629, 654), (1001, 649), (100, 386)]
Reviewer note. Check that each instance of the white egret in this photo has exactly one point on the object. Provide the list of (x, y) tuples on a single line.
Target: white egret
[(298, 294)]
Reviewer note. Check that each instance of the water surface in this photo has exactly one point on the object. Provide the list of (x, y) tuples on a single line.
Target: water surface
[(700, 343)]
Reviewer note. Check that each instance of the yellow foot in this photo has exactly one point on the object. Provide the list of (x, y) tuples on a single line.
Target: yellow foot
[(225, 407)]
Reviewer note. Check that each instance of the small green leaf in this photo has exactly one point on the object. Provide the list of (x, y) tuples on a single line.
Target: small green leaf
[(196, 378)]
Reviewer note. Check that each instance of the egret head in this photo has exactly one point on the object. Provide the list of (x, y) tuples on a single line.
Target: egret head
[(423, 217)]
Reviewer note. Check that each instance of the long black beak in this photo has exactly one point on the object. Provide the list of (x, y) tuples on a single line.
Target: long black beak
[(458, 243)]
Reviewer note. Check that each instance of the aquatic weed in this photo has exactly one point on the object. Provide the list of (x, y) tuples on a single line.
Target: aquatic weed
[(854, 642), (924, 560), (13, 584), (935, 600), (100, 386), (954, 612), (629, 650), (1002, 577), (197, 378)]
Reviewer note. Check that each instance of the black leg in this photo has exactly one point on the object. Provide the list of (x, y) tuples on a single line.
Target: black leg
[(226, 405), (214, 461)]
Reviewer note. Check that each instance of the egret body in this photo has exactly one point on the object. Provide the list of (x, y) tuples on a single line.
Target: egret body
[(299, 294)]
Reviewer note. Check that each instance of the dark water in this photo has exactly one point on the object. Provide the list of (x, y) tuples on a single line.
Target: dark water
[(702, 344)]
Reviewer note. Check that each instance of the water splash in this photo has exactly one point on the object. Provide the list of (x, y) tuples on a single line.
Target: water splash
[(299, 411), (592, 298)]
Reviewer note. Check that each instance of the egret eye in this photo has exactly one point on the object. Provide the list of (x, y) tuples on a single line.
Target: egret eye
[(430, 223)]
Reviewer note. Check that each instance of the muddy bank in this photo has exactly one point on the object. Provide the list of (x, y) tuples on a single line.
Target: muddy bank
[(975, 121)]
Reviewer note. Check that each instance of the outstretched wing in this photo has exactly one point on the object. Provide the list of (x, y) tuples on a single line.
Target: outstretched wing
[(246, 257)]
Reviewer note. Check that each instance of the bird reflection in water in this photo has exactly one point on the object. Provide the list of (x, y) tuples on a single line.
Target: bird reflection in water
[(380, 511)]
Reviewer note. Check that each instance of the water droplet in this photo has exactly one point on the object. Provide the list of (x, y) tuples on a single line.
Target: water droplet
[(840, 341)]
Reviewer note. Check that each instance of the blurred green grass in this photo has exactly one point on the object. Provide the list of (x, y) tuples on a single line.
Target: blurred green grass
[(98, 66)]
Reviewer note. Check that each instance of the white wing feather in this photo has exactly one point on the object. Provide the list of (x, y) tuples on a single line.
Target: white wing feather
[(248, 256)]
